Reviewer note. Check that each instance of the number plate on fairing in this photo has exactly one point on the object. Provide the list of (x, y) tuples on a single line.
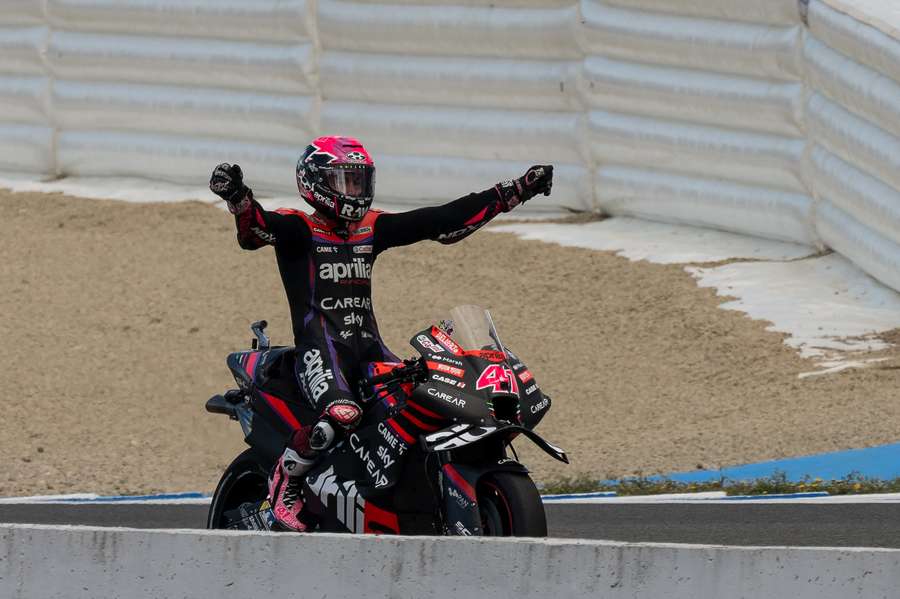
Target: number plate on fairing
[(457, 436), (463, 434)]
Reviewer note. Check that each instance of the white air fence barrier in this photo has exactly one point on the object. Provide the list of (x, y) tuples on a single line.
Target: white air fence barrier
[(775, 118)]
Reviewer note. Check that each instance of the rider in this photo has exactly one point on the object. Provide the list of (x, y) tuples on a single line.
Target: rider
[(325, 259)]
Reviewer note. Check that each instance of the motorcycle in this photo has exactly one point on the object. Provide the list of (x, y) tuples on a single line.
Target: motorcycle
[(430, 456)]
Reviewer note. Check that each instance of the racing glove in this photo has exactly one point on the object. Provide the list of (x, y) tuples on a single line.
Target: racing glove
[(537, 179), (227, 182), (341, 413)]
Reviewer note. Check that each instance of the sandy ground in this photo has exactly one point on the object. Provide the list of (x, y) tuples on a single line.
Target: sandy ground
[(116, 319)]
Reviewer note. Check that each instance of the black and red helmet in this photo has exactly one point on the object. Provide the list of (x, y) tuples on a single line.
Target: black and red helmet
[(336, 176)]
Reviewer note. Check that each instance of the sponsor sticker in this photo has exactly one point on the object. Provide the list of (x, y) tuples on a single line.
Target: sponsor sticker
[(448, 381), (315, 376), (343, 303), (450, 399), (393, 441), (541, 405), (446, 368), (460, 500), (446, 341), (353, 320), (428, 344), (339, 271), (365, 456)]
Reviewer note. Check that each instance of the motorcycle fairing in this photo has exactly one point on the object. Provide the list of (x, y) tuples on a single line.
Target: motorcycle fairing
[(533, 404), (456, 389), (343, 495), (460, 500), (459, 483), (243, 366), (460, 435)]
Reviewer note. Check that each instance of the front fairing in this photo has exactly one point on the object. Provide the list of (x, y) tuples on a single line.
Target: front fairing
[(485, 385)]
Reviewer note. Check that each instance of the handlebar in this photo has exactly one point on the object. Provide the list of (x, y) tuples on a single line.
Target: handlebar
[(412, 370)]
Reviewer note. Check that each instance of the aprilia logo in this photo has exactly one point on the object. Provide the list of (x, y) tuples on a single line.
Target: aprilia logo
[(316, 376), (339, 271)]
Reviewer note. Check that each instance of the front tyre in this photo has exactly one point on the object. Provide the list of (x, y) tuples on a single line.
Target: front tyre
[(510, 506), (245, 480)]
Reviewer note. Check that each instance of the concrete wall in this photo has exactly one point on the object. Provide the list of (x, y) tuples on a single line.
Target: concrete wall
[(774, 118), (84, 562)]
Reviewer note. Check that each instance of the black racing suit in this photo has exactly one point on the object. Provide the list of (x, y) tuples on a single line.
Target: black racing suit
[(326, 269)]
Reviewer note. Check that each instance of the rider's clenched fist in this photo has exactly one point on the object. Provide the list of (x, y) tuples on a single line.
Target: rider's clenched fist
[(227, 182), (536, 180)]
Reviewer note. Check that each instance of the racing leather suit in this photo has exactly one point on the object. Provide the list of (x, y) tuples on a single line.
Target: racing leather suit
[(326, 270)]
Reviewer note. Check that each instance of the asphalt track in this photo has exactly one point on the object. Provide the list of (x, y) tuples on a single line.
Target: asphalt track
[(835, 525)]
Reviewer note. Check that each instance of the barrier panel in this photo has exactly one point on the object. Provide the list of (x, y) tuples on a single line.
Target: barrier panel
[(655, 195), (26, 132), (672, 39), (270, 20), (452, 98), (143, 87), (763, 118), (85, 562)]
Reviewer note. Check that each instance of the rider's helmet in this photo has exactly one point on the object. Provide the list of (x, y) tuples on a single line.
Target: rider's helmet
[(336, 176)]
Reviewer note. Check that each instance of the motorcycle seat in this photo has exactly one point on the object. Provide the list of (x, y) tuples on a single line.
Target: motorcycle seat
[(277, 374)]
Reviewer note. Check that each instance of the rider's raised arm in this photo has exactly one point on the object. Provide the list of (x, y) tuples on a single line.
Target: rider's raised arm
[(283, 228), (448, 223), (460, 218), (256, 226)]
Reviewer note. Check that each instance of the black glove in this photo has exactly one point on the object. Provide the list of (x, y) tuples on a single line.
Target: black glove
[(227, 182), (537, 179)]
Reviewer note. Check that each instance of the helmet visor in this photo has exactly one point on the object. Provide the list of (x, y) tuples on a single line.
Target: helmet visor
[(351, 181)]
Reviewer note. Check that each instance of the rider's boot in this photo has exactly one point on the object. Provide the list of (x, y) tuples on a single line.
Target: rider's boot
[(307, 443), (286, 482)]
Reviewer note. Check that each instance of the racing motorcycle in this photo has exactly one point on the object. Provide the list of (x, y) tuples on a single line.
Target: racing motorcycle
[(430, 456)]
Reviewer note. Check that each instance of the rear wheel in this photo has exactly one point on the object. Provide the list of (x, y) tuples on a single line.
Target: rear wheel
[(510, 506), (245, 480)]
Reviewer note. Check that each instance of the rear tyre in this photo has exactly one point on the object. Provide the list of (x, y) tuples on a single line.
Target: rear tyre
[(510, 506), (245, 480)]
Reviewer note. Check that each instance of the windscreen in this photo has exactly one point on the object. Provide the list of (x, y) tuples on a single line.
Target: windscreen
[(473, 328)]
